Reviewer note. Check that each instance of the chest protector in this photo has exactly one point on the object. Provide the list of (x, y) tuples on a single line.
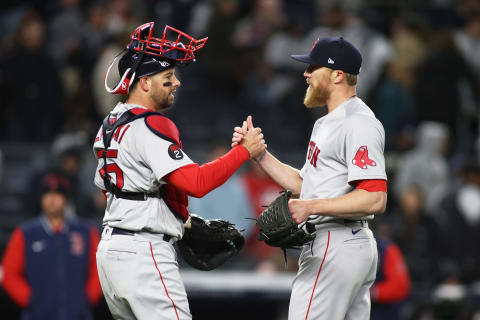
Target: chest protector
[(176, 200)]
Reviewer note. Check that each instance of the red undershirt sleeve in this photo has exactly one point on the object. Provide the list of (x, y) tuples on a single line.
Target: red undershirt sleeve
[(396, 283), (13, 264), (197, 180), (372, 185), (93, 288)]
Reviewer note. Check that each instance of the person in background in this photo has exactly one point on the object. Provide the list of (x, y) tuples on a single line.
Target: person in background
[(459, 218), (49, 264), (392, 284), (418, 236), (30, 85), (67, 164), (425, 166)]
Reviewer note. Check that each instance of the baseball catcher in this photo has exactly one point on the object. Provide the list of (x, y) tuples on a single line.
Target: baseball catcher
[(147, 177), (277, 227), (207, 244)]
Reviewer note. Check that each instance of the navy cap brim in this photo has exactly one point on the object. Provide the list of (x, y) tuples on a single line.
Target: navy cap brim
[(305, 58)]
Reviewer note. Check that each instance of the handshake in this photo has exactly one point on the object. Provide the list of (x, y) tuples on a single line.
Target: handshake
[(251, 138)]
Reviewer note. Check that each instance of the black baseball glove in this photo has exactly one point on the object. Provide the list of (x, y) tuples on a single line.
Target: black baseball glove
[(208, 244), (277, 227)]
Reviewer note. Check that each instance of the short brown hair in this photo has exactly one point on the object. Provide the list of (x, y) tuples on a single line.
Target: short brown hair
[(351, 79)]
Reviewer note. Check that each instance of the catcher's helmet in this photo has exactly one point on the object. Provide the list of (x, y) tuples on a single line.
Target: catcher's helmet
[(147, 55)]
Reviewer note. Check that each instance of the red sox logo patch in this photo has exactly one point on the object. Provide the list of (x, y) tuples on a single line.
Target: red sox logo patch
[(175, 152), (362, 160), (77, 244)]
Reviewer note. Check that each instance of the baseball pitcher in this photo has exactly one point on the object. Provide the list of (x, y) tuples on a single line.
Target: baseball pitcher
[(341, 186)]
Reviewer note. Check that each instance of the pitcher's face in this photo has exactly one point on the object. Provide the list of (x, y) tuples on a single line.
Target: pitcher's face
[(318, 91)]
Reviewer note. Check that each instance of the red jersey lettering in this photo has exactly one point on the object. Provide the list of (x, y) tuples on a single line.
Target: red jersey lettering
[(99, 135), (313, 161), (118, 135), (313, 152), (310, 149), (121, 136)]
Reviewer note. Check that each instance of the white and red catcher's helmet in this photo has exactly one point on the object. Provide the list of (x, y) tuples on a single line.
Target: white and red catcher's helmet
[(148, 55)]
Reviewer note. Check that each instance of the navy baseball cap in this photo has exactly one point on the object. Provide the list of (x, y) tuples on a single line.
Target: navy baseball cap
[(54, 182), (149, 65), (334, 53)]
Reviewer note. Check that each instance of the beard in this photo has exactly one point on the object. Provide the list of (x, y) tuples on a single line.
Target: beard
[(163, 103), (168, 103), (316, 97)]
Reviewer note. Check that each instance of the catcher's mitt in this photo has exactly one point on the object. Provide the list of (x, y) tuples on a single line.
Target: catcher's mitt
[(208, 244), (277, 227)]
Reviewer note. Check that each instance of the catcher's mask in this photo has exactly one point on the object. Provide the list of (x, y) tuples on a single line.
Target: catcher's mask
[(147, 55)]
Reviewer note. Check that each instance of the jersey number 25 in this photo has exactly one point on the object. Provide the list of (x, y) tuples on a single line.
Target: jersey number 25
[(113, 168)]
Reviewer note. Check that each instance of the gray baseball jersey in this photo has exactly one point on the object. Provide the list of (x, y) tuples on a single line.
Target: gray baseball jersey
[(346, 145), (338, 268), (137, 161), (142, 160)]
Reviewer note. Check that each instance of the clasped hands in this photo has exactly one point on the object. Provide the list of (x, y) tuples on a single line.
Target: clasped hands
[(251, 138)]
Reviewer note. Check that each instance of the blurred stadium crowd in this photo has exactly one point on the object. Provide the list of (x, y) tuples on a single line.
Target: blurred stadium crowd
[(420, 75)]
